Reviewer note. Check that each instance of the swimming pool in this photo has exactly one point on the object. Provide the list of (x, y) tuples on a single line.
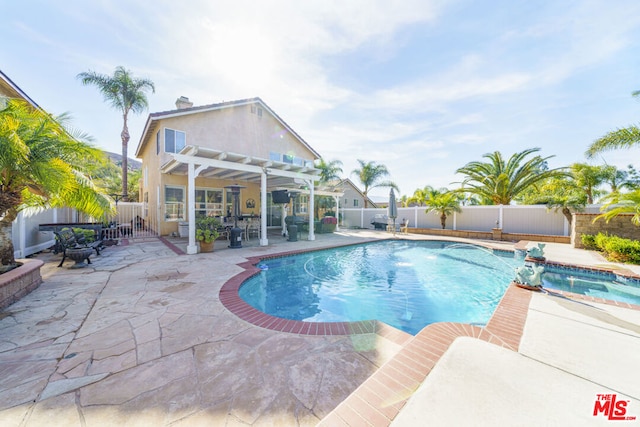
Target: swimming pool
[(406, 284)]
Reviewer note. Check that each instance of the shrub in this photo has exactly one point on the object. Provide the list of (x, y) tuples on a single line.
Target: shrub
[(589, 241), (89, 235), (618, 249)]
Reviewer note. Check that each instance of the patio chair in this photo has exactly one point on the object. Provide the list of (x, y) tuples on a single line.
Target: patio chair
[(253, 227), (404, 226)]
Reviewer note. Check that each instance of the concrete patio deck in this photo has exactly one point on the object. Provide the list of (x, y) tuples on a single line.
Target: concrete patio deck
[(140, 338)]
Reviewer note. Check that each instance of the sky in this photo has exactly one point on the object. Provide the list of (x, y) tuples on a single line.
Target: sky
[(422, 87)]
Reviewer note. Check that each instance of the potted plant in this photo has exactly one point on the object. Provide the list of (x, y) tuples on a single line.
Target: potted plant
[(329, 224), (207, 232)]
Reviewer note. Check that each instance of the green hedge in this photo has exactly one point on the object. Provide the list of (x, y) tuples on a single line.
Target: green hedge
[(614, 248)]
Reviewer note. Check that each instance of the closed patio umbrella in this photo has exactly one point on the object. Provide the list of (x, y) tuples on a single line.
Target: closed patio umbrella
[(392, 210)]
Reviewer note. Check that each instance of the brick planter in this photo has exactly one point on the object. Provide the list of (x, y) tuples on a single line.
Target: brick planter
[(20, 281)]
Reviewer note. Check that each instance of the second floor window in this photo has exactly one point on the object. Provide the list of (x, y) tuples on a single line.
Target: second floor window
[(174, 140)]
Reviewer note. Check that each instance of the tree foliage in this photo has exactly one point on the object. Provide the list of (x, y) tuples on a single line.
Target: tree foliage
[(370, 175), (126, 94), (499, 182), (41, 166), (444, 203), (329, 171), (627, 137), (621, 203)]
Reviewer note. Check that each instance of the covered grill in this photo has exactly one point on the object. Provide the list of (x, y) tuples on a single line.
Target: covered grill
[(379, 221)]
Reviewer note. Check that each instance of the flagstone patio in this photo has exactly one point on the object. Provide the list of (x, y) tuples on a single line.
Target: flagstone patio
[(139, 337)]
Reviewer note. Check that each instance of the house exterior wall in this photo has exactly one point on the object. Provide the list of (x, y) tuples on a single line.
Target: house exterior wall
[(238, 129), (352, 198)]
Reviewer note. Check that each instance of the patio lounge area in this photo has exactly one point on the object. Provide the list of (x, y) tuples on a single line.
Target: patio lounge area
[(140, 337)]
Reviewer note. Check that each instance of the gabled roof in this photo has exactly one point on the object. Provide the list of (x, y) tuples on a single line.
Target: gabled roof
[(153, 118), (13, 91), (350, 183)]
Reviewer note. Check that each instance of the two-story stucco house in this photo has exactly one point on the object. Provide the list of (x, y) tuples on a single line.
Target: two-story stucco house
[(190, 156)]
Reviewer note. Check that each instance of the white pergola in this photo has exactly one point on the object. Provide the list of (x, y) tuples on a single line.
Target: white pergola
[(195, 161)]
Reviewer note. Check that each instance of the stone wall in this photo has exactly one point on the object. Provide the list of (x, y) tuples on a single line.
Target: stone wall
[(620, 226)]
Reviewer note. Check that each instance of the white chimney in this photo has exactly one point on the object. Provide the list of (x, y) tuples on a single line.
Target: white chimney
[(183, 102)]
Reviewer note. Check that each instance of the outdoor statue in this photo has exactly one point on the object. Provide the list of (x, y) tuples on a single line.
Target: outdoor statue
[(536, 251), (530, 276)]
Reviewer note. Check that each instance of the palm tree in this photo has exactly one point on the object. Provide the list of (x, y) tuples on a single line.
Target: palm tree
[(623, 203), (421, 195), (498, 182), (370, 175), (329, 171), (445, 204), (589, 178), (620, 138), (40, 166), (562, 194), (126, 94), (619, 179)]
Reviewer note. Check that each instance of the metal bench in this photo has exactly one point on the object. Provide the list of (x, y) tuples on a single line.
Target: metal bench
[(75, 246)]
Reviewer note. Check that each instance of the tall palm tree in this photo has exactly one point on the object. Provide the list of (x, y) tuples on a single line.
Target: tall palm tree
[(445, 204), (126, 94), (498, 182), (40, 166), (370, 175), (620, 138)]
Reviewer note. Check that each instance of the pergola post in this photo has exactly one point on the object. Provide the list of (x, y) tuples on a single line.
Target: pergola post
[(263, 210), (312, 235), (192, 248)]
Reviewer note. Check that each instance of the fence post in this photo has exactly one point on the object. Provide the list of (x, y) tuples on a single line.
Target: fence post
[(361, 217)]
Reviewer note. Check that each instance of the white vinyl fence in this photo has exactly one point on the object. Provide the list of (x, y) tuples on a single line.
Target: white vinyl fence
[(27, 238), (530, 219)]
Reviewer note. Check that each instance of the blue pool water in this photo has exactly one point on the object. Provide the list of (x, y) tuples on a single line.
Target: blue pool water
[(405, 284), (599, 285)]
